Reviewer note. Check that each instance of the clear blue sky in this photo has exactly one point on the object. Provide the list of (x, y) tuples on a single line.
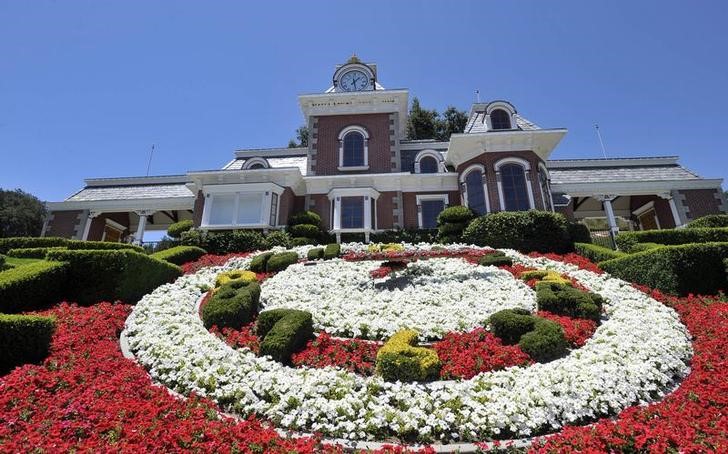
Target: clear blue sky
[(87, 87)]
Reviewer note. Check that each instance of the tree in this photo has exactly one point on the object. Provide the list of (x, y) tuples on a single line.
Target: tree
[(428, 124), (21, 214), (301, 138)]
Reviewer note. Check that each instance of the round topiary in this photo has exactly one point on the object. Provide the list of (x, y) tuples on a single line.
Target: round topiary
[(510, 324), (455, 214), (546, 342), (302, 241), (175, 230), (305, 217), (452, 228), (527, 231), (305, 230)]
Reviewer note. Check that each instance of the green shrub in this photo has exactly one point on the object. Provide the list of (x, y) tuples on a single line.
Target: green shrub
[(234, 241), (455, 215), (639, 247), (405, 236), (267, 319), (304, 230), (32, 286), (510, 324), (175, 230), (277, 238), (24, 339), (32, 252), (455, 229), (102, 245), (627, 240), (315, 253), (281, 261), (526, 231), (288, 334), (596, 253), (22, 242), (304, 217), (259, 262), (563, 299), (400, 359), (303, 241), (711, 220), (195, 237), (578, 232), (108, 275), (179, 255), (331, 251), (2, 261), (546, 342), (683, 269), (496, 259), (232, 305)]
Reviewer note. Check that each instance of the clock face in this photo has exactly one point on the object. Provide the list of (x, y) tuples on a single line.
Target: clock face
[(354, 81)]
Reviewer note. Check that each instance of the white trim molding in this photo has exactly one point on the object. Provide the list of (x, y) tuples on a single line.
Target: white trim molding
[(265, 190), (526, 173), (342, 134), (427, 197), (505, 106), (673, 208), (250, 162), (464, 186), (436, 155), (370, 196)]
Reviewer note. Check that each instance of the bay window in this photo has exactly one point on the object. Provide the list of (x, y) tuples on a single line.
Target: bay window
[(251, 205)]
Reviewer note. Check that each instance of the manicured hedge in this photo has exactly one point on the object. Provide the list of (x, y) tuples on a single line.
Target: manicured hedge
[(27, 242), (510, 324), (315, 253), (281, 261), (32, 252), (452, 221), (2, 261), (563, 299), (400, 359), (233, 305), (596, 253), (495, 259), (712, 220), (546, 342), (259, 262), (97, 275), (331, 251), (102, 245), (24, 339), (288, 333), (224, 242), (304, 217), (579, 233), (175, 230), (627, 240), (526, 231), (277, 238), (179, 255), (304, 230), (683, 269), (31, 286)]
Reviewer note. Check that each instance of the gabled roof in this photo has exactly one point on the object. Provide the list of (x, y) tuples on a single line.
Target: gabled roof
[(604, 170), (131, 192)]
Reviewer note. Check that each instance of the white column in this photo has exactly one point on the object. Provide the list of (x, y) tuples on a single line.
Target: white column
[(337, 213), (607, 200), (87, 226), (139, 234), (673, 208), (367, 213)]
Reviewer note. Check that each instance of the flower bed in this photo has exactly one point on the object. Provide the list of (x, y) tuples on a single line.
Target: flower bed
[(640, 336)]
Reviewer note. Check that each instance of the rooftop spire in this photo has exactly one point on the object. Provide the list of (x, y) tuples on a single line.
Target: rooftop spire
[(353, 59)]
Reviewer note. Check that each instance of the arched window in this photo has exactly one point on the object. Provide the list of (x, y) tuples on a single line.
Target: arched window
[(475, 192), (255, 163), (428, 164), (515, 189), (353, 149), (543, 180), (257, 166), (500, 119)]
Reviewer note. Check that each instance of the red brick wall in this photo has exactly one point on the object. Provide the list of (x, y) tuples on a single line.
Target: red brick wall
[(327, 142), (285, 206), (96, 232), (662, 209), (489, 160), (409, 200), (701, 202), (385, 210), (197, 210), (63, 224), (322, 206)]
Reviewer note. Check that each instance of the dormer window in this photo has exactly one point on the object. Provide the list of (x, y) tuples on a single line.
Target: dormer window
[(255, 163), (500, 119), (353, 149), (428, 164), (428, 161)]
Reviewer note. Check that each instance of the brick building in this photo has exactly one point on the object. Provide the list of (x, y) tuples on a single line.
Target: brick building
[(361, 174)]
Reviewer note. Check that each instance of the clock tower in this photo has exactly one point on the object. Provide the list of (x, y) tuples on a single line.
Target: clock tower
[(355, 76)]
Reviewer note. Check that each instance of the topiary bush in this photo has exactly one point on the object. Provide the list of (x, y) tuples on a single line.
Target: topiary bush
[(400, 359), (578, 232), (259, 262), (452, 221), (232, 305), (178, 228), (281, 261), (23, 242), (277, 238), (244, 276), (102, 245), (316, 253), (682, 269), (495, 259), (510, 324), (305, 217), (331, 251), (32, 286), (546, 342), (596, 253), (305, 224), (711, 221), (234, 241), (639, 247), (109, 275), (284, 331), (304, 230), (563, 299), (32, 252), (24, 339), (627, 240), (179, 255), (526, 231)]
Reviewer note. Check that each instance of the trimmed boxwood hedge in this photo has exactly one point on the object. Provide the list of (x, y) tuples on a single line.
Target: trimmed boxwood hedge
[(102, 245), (27, 242), (277, 238), (526, 231), (546, 342), (682, 269), (32, 252), (400, 359), (224, 242), (304, 230), (284, 332), (315, 253), (510, 324), (24, 339), (564, 299), (31, 286), (331, 251), (259, 262), (281, 261), (232, 305), (596, 253), (495, 259), (452, 221), (711, 220), (305, 217), (627, 240), (108, 275), (175, 230), (179, 255)]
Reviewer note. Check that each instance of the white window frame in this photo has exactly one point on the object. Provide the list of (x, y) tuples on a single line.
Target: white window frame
[(542, 168), (445, 198), (252, 161), (264, 189), (527, 174), (644, 209), (343, 134), (426, 154), (502, 105), (370, 198), (464, 186)]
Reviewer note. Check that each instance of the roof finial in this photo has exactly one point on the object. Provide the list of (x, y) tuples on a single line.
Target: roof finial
[(353, 59)]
